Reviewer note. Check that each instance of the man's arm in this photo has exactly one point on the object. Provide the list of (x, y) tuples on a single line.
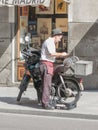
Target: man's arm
[(59, 54)]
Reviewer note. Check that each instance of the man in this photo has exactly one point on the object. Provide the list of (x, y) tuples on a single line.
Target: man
[(48, 55)]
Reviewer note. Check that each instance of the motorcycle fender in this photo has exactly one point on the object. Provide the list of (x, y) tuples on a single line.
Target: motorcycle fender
[(80, 84)]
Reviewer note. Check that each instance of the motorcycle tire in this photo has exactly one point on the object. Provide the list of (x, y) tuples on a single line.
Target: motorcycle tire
[(19, 95), (23, 85), (71, 97)]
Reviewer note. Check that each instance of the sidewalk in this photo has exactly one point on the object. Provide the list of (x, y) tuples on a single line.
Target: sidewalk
[(87, 107)]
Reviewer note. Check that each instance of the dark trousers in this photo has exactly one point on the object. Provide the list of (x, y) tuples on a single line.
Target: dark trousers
[(46, 84)]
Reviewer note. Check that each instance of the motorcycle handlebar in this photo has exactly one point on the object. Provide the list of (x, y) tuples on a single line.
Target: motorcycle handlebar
[(25, 53)]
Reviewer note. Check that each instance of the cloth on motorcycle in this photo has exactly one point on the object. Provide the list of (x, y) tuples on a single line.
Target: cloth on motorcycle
[(50, 66)]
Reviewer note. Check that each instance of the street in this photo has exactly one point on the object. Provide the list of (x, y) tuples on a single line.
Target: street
[(32, 122)]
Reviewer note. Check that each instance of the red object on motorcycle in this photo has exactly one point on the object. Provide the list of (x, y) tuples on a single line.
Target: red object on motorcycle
[(81, 84)]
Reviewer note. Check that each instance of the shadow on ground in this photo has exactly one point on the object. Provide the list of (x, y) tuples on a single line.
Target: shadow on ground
[(25, 102)]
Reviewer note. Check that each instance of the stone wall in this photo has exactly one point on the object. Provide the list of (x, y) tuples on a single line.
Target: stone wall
[(83, 36), (5, 47)]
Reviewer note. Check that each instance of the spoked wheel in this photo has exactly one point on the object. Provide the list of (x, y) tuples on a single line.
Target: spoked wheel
[(71, 95)]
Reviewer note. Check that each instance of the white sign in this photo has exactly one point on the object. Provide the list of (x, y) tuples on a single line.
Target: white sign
[(25, 2)]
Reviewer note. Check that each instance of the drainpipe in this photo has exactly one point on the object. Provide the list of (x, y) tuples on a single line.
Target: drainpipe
[(12, 23), (13, 61)]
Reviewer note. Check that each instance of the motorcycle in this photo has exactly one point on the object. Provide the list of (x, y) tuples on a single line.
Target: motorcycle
[(66, 86)]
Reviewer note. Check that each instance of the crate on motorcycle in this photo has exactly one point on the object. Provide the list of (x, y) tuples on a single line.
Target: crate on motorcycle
[(83, 67)]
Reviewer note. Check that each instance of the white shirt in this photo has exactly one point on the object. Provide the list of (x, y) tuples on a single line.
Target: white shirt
[(48, 47)]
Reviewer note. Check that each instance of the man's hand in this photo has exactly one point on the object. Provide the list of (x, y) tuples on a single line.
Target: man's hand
[(64, 54)]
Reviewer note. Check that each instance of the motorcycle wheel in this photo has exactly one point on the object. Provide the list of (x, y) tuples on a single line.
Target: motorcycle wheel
[(19, 95), (72, 95), (23, 85)]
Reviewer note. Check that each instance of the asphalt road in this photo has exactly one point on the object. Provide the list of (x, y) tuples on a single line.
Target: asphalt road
[(10, 121)]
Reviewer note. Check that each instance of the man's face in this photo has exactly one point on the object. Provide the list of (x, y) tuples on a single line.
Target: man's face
[(58, 38)]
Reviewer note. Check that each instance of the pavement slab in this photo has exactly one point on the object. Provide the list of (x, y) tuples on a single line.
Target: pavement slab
[(87, 107)]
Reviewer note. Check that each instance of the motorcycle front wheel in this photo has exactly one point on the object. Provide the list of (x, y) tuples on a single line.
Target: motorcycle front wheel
[(23, 85), (69, 95)]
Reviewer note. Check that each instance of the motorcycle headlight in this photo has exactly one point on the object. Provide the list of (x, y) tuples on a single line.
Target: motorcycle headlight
[(27, 39)]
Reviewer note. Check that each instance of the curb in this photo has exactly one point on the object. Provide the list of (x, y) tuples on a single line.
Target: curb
[(53, 113)]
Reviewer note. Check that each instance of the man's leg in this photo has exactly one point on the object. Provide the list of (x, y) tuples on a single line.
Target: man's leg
[(46, 88)]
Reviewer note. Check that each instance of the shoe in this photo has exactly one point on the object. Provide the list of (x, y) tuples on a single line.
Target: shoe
[(48, 107)]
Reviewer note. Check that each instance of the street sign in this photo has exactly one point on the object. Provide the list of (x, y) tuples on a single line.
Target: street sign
[(24, 2)]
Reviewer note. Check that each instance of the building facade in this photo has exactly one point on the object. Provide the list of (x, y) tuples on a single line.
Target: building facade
[(82, 39), (83, 35), (7, 43)]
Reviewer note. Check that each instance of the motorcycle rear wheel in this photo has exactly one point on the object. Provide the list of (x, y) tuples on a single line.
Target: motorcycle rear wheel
[(72, 95)]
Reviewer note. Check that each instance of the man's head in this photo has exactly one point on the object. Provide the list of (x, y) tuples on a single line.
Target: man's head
[(57, 34), (56, 31)]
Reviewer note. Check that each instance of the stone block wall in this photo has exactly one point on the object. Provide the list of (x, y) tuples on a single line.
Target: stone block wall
[(5, 47), (83, 36)]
